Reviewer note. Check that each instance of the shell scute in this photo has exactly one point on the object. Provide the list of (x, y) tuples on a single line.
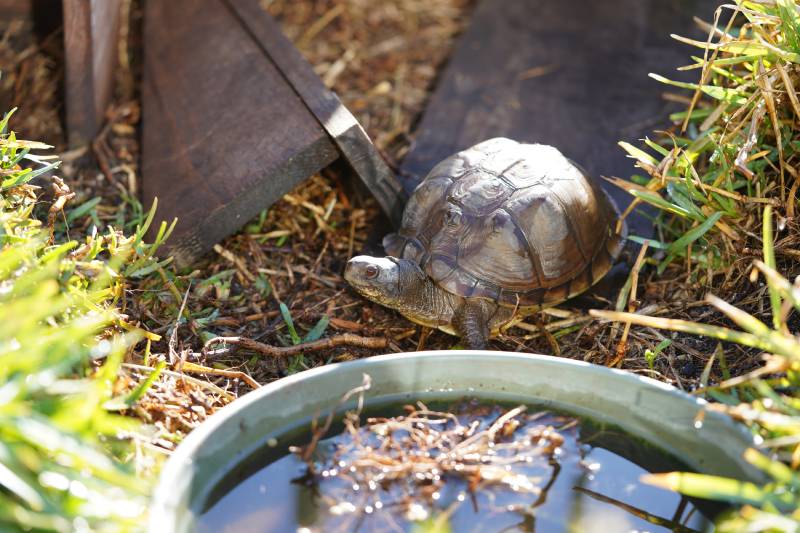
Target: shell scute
[(540, 164), (494, 249), (549, 234), (479, 193)]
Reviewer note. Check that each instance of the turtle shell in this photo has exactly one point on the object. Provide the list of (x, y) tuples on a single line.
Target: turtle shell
[(516, 223)]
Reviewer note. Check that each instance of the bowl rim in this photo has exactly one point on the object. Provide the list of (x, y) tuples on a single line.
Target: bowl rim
[(172, 479)]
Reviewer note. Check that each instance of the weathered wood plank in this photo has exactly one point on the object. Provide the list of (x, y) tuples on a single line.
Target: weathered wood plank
[(224, 135), (91, 32), (335, 118), (569, 73)]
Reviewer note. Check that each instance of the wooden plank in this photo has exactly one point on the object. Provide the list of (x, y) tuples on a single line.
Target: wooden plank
[(335, 118), (569, 73), (224, 135), (91, 33)]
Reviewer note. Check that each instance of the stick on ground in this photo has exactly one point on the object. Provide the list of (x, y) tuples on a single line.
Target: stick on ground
[(345, 339)]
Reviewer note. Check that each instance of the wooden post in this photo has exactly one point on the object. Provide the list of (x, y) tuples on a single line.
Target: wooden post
[(91, 32)]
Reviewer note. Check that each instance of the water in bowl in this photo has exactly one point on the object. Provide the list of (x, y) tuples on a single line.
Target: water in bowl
[(539, 471)]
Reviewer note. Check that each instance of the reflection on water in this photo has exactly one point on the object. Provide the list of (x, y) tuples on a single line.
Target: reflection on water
[(592, 486)]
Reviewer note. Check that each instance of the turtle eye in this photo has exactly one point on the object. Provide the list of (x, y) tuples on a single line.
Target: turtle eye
[(371, 271)]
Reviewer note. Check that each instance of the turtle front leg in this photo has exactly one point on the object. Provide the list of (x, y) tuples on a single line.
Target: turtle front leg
[(471, 322)]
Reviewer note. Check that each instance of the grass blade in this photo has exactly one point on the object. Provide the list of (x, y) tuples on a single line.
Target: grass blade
[(781, 345), (769, 260), (318, 330), (719, 488), (287, 318)]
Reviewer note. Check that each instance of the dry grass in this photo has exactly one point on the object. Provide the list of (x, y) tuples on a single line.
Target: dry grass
[(382, 60), (404, 463), (31, 71)]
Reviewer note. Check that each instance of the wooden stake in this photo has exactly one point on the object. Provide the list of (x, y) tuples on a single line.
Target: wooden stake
[(91, 40)]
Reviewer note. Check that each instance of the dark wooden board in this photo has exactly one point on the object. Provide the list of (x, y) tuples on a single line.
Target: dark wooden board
[(91, 33), (348, 135), (224, 134), (570, 73)]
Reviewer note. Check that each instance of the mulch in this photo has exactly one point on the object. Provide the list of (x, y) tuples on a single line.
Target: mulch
[(382, 59)]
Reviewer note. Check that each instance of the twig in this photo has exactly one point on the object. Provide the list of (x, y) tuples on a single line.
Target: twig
[(174, 357), (170, 286), (306, 451), (733, 195), (552, 326), (622, 346), (774, 365), (551, 340), (345, 339), (62, 194), (752, 137), (772, 342), (235, 374), (320, 25), (764, 83), (237, 262), (101, 154), (635, 511), (210, 386), (423, 336)]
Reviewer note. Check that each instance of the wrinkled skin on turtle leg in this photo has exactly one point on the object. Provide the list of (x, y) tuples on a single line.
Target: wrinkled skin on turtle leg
[(402, 285), (471, 322)]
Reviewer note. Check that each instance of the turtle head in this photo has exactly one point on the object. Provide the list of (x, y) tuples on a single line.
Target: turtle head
[(386, 280)]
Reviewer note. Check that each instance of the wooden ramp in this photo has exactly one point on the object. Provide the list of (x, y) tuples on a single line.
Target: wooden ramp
[(234, 118), (570, 73)]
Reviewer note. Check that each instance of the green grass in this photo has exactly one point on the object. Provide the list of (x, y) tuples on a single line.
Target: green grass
[(67, 459), (724, 182), (773, 410)]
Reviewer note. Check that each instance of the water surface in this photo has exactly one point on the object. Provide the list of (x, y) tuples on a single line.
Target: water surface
[(592, 484)]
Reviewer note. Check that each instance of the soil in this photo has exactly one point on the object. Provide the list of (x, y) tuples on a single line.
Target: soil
[(383, 60)]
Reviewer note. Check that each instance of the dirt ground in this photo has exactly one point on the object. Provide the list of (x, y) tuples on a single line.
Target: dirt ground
[(383, 60)]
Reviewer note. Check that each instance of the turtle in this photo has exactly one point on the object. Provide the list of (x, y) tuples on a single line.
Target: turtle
[(492, 234)]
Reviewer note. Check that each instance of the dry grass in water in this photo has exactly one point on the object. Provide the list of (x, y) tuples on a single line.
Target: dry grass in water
[(405, 461)]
